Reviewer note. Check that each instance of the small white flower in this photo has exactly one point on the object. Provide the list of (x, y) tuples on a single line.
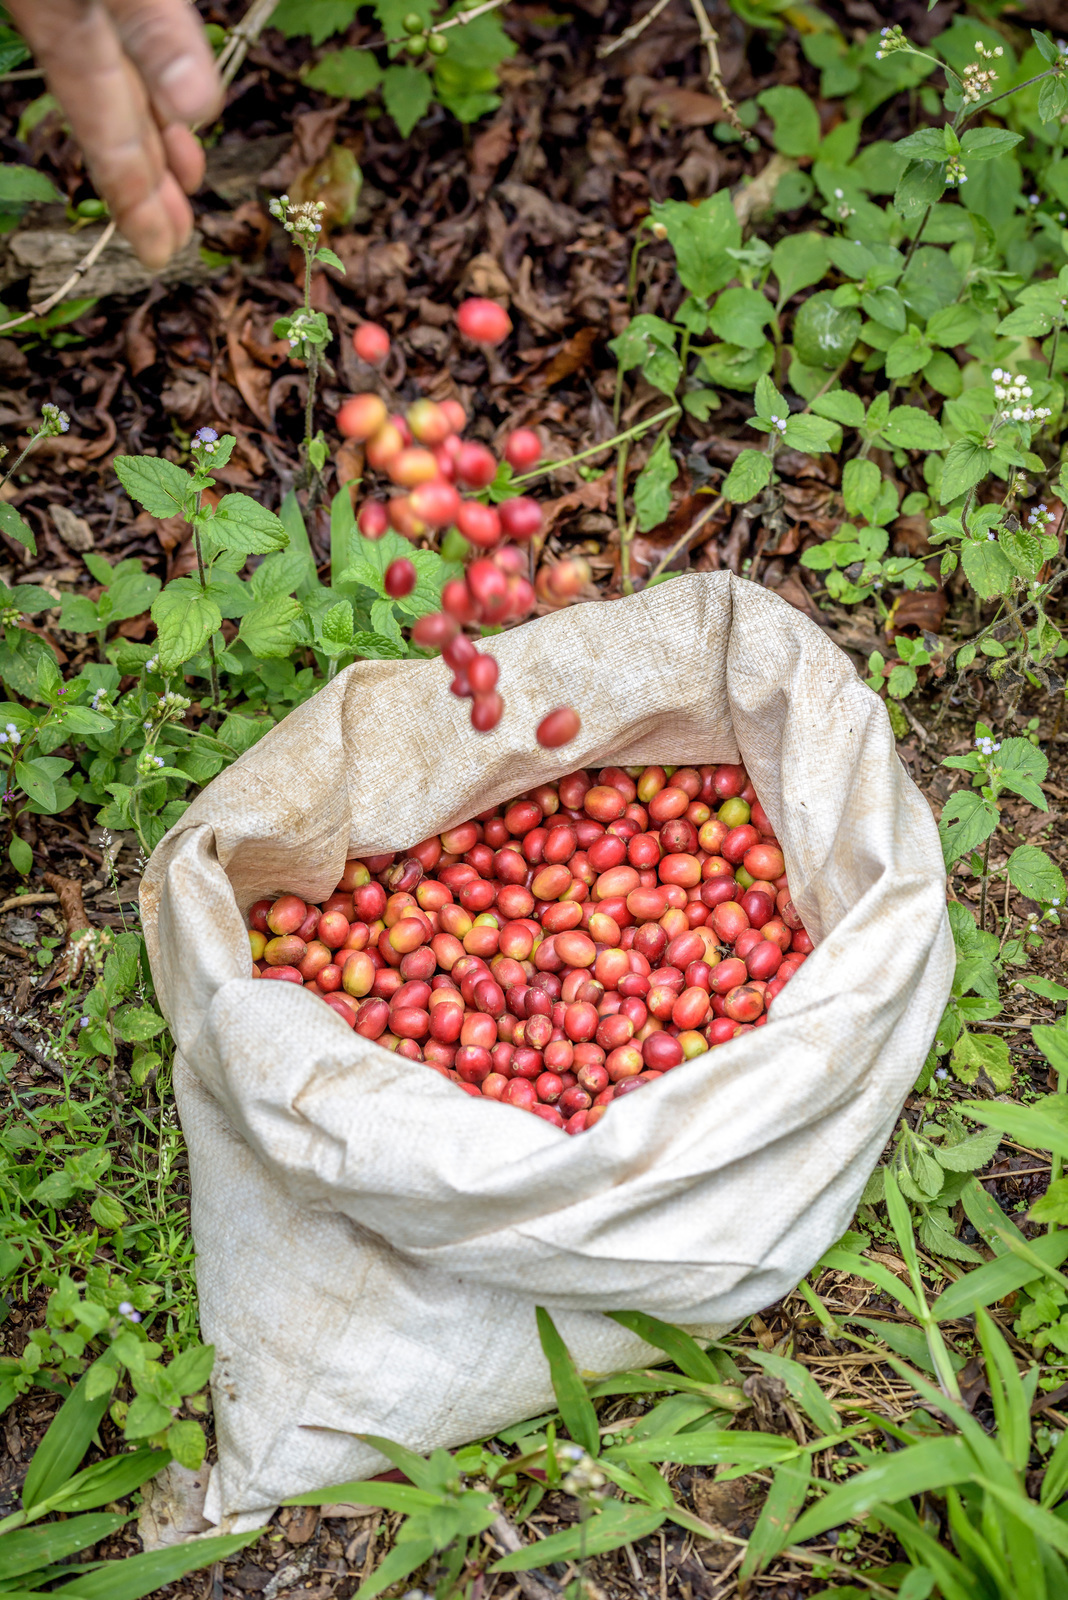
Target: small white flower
[(941, 1074)]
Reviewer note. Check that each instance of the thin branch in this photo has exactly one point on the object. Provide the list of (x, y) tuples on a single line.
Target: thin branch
[(710, 40), (64, 289), (248, 30), (683, 543), (635, 30)]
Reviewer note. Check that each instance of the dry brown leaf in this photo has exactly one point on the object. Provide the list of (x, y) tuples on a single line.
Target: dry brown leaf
[(485, 277), (922, 609), (491, 147), (757, 197), (682, 108), (79, 930), (73, 530), (793, 590), (553, 317), (587, 497), (572, 357), (253, 381), (911, 535)]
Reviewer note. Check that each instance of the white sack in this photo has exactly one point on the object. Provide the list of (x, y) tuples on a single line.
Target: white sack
[(371, 1244)]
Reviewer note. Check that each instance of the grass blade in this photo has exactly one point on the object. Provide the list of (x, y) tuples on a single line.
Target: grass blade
[(68, 1438), (402, 1559), (29, 1548), (137, 1576), (802, 1387), (712, 1447), (1041, 1126), (872, 1272), (107, 1480), (616, 1525), (576, 1407), (772, 1532), (934, 1464), (389, 1496), (995, 1279), (675, 1343)]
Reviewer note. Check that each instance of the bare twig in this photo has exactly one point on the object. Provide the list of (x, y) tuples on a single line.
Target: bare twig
[(710, 40), (683, 543), (237, 46), (27, 1046), (635, 30), (508, 1536), (917, 727), (64, 289), (15, 901)]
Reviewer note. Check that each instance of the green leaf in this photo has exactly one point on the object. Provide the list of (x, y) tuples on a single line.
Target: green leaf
[(927, 144), (1046, 47), (1053, 1043), (575, 1405), (824, 334), (741, 315), (1035, 874), (20, 855), (402, 1559), (66, 1441), (652, 490), (27, 1549), (769, 1538), (185, 620), (749, 474), (190, 1370), (796, 120), (952, 324), (1052, 1206), (972, 1055), (615, 1525), (241, 523), (316, 18), (986, 566), (186, 1442), (14, 525), (841, 406), (135, 1577), (21, 186), (798, 260), (1043, 1125), (908, 353), (801, 1385), (293, 522), (909, 428), (680, 1346), (809, 434), (155, 483), (967, 819), (137, 1023), (983, 144), (36, 782), (349, 74), (917, 1469), (407, 93), (268, 628), (919, 186), (700, 236), (107, 1212)]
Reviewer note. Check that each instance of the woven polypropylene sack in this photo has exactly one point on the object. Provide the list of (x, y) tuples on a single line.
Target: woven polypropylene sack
[(371, 1243)]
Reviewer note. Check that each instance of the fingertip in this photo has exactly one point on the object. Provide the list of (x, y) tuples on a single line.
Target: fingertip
[(189, 87), (185, 156), (159, 225)]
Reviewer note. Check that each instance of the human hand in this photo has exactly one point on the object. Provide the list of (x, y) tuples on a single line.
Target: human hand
[(133, 77)]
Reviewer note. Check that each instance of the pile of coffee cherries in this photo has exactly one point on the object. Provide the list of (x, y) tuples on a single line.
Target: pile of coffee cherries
[(424, 455), (562, 950)]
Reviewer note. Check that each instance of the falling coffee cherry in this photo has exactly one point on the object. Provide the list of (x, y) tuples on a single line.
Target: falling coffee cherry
[(399, 579)]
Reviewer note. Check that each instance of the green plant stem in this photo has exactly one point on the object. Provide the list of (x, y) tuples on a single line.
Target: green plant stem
[(1053, 348), (635, 432), (985, 882), (984, 105), (19, 459), (211, 641), (621, 517), (680, 544)]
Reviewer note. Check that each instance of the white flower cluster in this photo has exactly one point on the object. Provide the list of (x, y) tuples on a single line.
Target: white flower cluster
[(98, 698), (53, 420), (843, 208), (778, 422), (955, 173), (146, 762), (10, 735), (1040, 517), (891, 39), (585, 1477), (987, 746), (1011, 388), (297, 324), (977, 79), (207, 438), (126, 1310), (303, 220), (152, 663)]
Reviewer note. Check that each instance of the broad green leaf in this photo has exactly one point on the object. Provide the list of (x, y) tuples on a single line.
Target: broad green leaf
[(652, 490), (952, 324), (66, 1441), (927, 144), (241, 523), (268, 628), (1036, 874), (824, 334), (740, 316), (798, 260), (1053, 1043), (137, 1023), (700, 236), (318, 19), (186, 1442), (749, 474), (967, 819), (155, 483), (797, 122), (908, 353), (909, 428), (22, 186), (986, 566), (348, 74), (575, 1405), (185, 620), (983, 144), (990, 1054), (20, 855), (292, 520), (842, 406), (808, 433), (649, 343), (616, 1524), (407, 93)]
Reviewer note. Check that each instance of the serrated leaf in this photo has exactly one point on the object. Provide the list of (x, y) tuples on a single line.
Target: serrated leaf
[(926, 144), (185, 620), (986, 566), (155, 483), (797, 261), (1036, 874), (983, 144), (809, 433), (740, 316), (241, 523), (909, 428), (268, 628), (652, 490), (15, 526), (348, 74), (989, 1054), (749, 474), (137, 1023), (700, 236), (841, 406), (967, 819), (406, 93)]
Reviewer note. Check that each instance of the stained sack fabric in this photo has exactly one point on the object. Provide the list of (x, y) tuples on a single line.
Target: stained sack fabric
[(371, 1243)]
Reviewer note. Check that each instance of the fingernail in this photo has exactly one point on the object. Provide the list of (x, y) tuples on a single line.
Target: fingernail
[(187, 88)]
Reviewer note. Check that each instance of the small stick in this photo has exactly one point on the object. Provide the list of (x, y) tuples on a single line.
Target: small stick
[(13, 902), (635, 30), (680, 544), (710, 40)]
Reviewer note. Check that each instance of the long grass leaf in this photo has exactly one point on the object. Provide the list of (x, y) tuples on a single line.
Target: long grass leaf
[(777, 1515), (401, 1560), (922, 1467), (988, 1284), (872, 1272), (68, 1438), (108, 1480), (134, 1577), (361, 1492), (29, 1548), (675, 1343), (576, 1407), (1041, 1126), (607, 1530), (711, 1447)]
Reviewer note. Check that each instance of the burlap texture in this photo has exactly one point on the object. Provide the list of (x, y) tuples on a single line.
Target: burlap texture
[(371, 1243)]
